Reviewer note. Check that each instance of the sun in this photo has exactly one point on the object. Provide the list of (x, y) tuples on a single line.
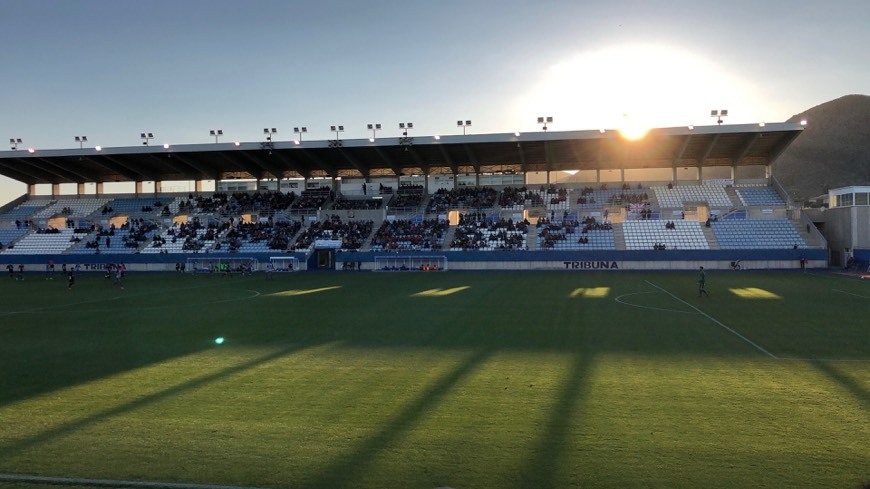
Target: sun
[(631, 88)]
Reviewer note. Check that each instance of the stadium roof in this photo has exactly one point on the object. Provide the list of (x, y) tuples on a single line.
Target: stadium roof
[(726, 145)]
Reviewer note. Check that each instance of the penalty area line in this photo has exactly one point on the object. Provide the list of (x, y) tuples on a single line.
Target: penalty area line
[(711, 318), (75, 481)]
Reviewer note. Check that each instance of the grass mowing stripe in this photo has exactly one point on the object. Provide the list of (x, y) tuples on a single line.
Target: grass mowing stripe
[(75, 481), (711, 318)]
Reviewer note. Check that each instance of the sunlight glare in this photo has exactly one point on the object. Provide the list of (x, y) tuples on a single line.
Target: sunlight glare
[(754, 293), (591, 292), (657, 84), (440, 292), (291, 293)]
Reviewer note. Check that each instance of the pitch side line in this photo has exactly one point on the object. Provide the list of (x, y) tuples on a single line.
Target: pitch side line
[(711, 318), (617, 299), (74, 481), (849, 293)]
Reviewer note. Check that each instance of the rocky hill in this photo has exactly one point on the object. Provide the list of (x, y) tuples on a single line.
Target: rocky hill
[(833, 151)]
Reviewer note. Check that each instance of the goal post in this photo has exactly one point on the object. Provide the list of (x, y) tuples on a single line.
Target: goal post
[(423, 263), (222, 265), (284, 263)]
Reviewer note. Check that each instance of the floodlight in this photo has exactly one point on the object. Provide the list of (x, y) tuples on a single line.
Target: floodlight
[(723, 112), (437, 137), (544, 121), (401, 125), (761, 124), (377, 126), (517, 134), (265, 130), (143, 135), (341, 128), (332, 128), (370, 127), (98, 148), (212, 133), (31, 150), (540, 120), (165, 145)]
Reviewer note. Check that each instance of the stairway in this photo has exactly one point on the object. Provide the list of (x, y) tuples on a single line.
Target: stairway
[(710, 236), (731, 192), (618, 236)]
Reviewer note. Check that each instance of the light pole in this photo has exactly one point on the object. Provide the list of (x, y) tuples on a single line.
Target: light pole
[(336, 130), (14, 142), (374, 128), (463, 125), (544, 121), (146, 136), (719, 114), (216, 133), (269, 133), (405, 127), (81, 140), (300, 131)]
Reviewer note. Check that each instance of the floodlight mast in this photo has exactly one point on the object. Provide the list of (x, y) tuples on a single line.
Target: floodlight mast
[(374, 128), (14, 142), (269, 133), (81, 140), (336, 130), (544, 121), (146, 137), (464, 125), (216, 133), (405, 127), (719, 114), (300, 131)]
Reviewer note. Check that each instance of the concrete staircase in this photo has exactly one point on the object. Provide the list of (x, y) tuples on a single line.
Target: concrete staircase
[(731, 192), (710, 236), (618, 236)]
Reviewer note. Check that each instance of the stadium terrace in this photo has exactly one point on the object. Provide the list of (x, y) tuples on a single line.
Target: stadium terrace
[(581, 200)]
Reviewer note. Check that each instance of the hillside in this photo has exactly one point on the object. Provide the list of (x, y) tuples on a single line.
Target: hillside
[(833, 151)]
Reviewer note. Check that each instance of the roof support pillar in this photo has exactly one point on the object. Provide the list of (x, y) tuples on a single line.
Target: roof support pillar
[(733, 174), (31, 189), (197, 186), (158, 187), (140, 187), (99, 188), (674, 175), (55, 189), (80, 189), (700, 175), (597, 177)]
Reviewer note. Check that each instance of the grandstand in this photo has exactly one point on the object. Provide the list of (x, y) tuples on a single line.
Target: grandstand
[(696, 195)]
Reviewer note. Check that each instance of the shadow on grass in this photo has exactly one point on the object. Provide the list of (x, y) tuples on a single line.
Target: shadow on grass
[(347, 470), (14, 448), (854, 388), (540, 470)]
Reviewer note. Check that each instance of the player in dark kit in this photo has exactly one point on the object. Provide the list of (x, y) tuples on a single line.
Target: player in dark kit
[(702, 282), (70, 279)]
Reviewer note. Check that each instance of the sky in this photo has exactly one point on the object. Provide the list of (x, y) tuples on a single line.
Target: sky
[(112, 69)]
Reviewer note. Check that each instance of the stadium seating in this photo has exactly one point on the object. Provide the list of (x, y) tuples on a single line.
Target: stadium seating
[(78, 207), (748, 234), (677, 196), (646, 234), (45, 243), (25, 210), (760, 196)]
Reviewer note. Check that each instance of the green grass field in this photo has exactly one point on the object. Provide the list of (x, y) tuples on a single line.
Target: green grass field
[(459, 379)]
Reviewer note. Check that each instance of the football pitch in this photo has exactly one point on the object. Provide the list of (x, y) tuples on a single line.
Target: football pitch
[(425, 380)]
